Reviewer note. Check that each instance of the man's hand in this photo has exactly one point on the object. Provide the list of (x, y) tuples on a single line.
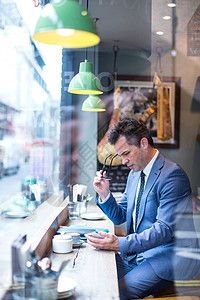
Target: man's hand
[(109, 242), (101, 186)]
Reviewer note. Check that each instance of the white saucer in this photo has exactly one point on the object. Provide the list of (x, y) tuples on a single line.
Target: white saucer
[(75, 245), (92, 216), (66, 286)]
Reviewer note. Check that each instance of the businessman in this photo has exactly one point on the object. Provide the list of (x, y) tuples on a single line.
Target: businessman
[(156, 205)]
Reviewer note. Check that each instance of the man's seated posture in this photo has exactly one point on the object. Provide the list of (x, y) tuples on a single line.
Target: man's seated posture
[(156, 205)]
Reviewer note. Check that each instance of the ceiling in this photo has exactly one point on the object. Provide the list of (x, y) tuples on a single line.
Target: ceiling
[(126, 23), (132, 24)]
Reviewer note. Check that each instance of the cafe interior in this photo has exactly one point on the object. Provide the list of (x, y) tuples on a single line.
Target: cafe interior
[(70, 70)]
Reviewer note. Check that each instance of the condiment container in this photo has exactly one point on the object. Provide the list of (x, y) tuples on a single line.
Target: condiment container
[(62, 243)]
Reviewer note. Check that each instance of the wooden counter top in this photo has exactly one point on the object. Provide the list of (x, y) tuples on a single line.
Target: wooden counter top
[(94, 270)]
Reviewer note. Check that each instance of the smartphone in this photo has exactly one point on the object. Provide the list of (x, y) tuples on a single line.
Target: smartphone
[(96, 235)]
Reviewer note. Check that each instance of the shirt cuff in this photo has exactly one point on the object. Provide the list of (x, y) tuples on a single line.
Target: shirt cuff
[(103, 201)]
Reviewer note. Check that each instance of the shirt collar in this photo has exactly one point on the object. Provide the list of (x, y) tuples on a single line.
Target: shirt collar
[(147, 169)]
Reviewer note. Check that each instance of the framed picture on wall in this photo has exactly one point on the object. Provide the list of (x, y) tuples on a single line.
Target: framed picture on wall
[(157, 106)]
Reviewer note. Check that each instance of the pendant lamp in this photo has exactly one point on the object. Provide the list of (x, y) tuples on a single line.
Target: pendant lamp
[(66, 23), (85, 82), (93, 103)]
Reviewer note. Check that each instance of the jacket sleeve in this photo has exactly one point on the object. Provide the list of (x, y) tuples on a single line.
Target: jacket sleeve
[(116, 212)]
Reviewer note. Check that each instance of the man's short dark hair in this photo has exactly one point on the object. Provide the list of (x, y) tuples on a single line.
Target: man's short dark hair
[(133, 131)]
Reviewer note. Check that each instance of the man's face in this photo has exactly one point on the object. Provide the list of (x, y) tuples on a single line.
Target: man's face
[(132, 156)]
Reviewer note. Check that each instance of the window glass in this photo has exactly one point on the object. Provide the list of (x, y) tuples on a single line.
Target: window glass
[(30, 76)]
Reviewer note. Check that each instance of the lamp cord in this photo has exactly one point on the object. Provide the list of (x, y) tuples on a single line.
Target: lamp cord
[(115, 50), (86, 52), (86, 58)]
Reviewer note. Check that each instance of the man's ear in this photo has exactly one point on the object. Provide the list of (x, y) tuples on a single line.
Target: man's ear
[(144, 143)]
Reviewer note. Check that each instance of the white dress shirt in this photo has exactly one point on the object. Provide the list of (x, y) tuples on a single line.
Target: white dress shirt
[(146, 171)]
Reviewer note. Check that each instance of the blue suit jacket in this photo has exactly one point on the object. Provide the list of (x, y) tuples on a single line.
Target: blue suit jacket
[(165, 213)]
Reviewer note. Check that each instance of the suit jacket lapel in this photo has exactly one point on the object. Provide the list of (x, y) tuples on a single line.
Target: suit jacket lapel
[(155, 171)]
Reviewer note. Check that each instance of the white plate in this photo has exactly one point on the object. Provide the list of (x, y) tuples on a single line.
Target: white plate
[(65, 295), (66, 286), (92, 216), (16, 214)]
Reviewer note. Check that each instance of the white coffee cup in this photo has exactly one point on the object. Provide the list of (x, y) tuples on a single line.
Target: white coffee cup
[(62, 243), (75, 237)]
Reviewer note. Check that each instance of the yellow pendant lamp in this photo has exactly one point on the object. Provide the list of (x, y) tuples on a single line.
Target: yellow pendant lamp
[(66, 23), (85, 82), (93, 103)]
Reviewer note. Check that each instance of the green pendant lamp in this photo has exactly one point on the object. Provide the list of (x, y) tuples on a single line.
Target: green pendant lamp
[(66, 23), (93, 103), (85, 82)]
